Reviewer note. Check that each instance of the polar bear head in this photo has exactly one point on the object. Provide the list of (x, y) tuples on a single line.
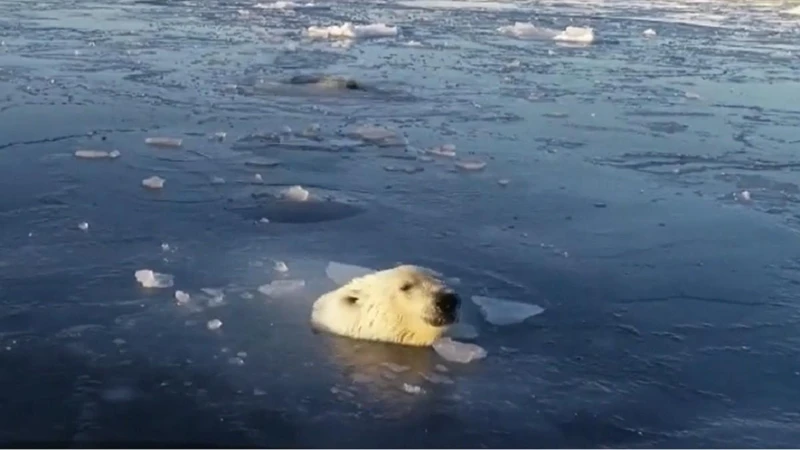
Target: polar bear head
[(406, 305)]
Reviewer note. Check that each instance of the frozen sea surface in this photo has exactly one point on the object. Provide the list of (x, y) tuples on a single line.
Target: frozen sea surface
[(639, 186)]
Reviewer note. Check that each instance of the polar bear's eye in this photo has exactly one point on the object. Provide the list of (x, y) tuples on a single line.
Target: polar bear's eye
[(351, 300), (406, 287)]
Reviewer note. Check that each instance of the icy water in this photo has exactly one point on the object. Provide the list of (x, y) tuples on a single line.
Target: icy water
[(642, 189)]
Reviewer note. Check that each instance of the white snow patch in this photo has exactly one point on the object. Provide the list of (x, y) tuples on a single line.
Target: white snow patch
[(349, 31), (505, 312), (150, 279), (341, 274), (459, 352), (793, 11)]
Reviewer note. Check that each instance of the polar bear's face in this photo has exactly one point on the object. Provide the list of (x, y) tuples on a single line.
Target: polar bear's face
[(411, 291), (407, 304)]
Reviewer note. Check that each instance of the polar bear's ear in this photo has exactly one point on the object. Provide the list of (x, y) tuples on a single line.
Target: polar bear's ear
[(352, 296)]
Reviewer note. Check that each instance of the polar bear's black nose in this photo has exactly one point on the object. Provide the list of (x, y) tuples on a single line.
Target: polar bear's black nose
[(447, 302)]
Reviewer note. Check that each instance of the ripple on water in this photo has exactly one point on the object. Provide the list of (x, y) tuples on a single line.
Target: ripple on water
[(324, 205)]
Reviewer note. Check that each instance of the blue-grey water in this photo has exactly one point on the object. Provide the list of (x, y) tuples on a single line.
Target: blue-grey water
[(671, 295)]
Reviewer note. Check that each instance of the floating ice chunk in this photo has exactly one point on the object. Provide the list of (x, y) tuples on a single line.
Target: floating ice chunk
[(283, 5), (219, 136), (581, 35), (692, 95), (743, 196), (505, 312), (83, 226), (97, 154), (448, 150), (503, 181), (278, 288), (150, 279), (342, 273), (182, 297), (154, 182), (236, 361), (280, 267), (349, 31), (164, 142), (217, 180), (649, 32), (459, 352), (164, 247), (263, 220), (212, 292), (214, 324), (396, 368), (258, 177), (527, 30), (295, 194), (470, 166), (412, 389)]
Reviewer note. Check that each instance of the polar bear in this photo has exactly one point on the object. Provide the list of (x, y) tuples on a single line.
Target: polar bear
[(406, 305)]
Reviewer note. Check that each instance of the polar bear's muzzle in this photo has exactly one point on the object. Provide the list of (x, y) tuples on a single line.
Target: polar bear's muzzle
[(446, 306)]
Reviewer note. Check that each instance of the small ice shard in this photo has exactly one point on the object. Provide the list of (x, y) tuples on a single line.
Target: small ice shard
[(412, 389), (83, 226), (164, 247), (286, 129), (470, 166), (503, 181), (462, 331), (459, 352), (505, 312), (280, 267), (219, 136), (448, 150), (182, 297), (649, 32), (349, 31), (278, 288), (97, 154), (295, 194), (214, 324), (581, 35), (247, 295), (342, 273), (217, 180), (154, 182), (150, 279), (263, 220), (692, 95), (164, 142), (258, 177)]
